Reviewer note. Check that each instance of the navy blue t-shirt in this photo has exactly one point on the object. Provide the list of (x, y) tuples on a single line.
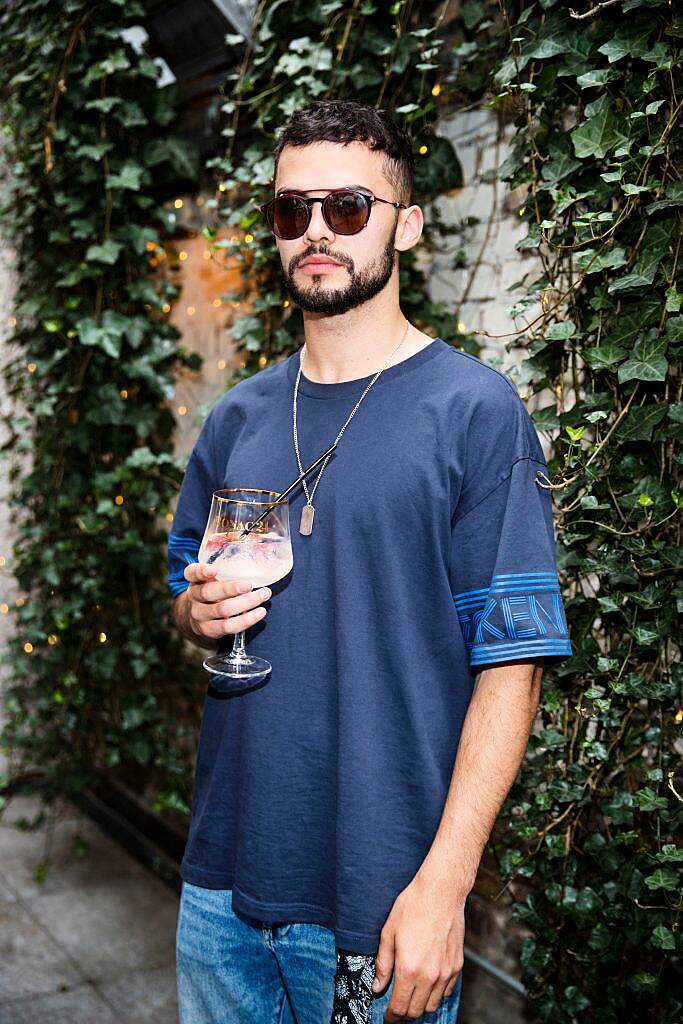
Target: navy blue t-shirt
[(317, 796)]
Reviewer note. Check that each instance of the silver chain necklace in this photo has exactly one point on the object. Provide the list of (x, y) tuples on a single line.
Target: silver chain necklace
[(308, 511)]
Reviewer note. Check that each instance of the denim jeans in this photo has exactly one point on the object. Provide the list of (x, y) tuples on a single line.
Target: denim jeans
[(237, 970)]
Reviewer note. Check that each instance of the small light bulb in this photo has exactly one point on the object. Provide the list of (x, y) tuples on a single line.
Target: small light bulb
[(182, 255), (4, 607), (436, 89), (262, 361), (169, 516), (216, 303), (28, 647), (103, 638), (178, 203), (222, 364), (285, 303), (31, 367), (222, 187), (119, 499), (190, 311), (52, 639), (20, 602), (206, 254), (3, 560), (462, 328), (182, 409), (166, 308), (422, 150), (248, 237), (123, 393)]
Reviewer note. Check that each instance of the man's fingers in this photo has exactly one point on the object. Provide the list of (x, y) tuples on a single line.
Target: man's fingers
[(226, 607), (217, 628), (196, 572)]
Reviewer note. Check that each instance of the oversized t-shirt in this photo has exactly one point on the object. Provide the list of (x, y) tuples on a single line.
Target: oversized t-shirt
[(317, 795)]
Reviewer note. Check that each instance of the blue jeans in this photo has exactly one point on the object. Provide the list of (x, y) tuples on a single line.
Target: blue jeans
[(236, 970)]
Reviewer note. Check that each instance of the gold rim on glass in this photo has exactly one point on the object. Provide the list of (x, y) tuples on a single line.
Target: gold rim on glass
[(248, 490)]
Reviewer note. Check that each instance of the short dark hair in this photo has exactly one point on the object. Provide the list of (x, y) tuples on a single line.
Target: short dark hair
[(344, 121)]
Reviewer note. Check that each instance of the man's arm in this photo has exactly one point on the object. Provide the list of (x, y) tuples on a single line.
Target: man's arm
[(423, 936), (183, 620)]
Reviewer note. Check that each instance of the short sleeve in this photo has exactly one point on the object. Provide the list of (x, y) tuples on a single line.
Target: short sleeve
[(503, 568), (192, 509)]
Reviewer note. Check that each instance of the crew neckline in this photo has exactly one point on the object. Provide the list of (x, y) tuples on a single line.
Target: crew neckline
[(344, 388)]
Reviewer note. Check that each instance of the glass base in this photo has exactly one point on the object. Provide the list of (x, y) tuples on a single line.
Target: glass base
[(231, 673)]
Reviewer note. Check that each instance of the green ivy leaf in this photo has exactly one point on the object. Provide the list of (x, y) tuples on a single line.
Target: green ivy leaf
[(648, 361), (106, 252), (600, 133), (662, 878)]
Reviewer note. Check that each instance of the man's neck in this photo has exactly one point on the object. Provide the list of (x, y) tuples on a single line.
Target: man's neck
[(357, 345)]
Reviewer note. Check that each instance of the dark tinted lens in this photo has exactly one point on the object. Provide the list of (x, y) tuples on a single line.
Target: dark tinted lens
[(288, 217), (345, 212)]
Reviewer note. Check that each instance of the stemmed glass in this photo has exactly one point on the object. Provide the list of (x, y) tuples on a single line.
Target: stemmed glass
[(262, 556)]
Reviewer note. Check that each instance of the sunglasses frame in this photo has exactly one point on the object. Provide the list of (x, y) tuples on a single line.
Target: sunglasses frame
[(368, 196)]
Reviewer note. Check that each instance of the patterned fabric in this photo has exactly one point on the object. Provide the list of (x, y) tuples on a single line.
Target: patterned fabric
[(353, 988), (518, 615), (182, 551)]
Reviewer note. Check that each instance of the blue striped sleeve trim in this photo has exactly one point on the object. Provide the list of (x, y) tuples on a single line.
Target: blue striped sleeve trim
[(182, 550), (520, 615)]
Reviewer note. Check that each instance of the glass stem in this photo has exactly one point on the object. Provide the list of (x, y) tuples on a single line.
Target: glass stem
[(238, 650)]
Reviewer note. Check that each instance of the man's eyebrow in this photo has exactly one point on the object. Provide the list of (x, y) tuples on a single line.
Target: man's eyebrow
[(301, 191)]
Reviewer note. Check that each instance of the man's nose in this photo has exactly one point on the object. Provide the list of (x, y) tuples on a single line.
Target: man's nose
[(318, 229)]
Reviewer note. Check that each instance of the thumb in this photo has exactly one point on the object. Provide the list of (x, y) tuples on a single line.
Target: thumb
[(384, 962)]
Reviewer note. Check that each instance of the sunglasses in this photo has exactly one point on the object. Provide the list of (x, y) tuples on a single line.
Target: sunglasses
[(346, 211)]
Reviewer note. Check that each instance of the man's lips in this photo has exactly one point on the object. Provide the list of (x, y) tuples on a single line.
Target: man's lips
[(316, 262)]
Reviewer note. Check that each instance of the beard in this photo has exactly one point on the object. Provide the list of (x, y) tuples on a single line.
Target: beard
[(318, 297)]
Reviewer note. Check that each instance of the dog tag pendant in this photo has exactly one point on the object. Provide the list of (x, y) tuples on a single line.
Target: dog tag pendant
[(306, 523)]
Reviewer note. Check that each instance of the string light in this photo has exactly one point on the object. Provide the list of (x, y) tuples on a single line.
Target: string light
[(679, 715), (3, 560), (28, 647), (285, 303), (102, 638), (178, 203), (234, 239), (31, 367), (11, 321), (166, 308), (151, 246), (190, 311), (216, 303), (52, 639), (119, 499), (182, 255), (20, 602), (4, 607), (248, 238), (206, 254), (262, 361), (222, 187), (436, 89), (123, 393), (422, 150), (222, 364), (521, 210), (169, 517), (182, 409), (462, 328)]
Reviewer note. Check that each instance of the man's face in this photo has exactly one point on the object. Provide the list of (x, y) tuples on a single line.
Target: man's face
[(367, 259)]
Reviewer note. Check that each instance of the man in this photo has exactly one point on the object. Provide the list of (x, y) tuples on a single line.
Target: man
[(345, 803)]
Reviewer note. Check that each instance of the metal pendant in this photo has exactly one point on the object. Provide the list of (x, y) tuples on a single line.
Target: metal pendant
[(306, 523)]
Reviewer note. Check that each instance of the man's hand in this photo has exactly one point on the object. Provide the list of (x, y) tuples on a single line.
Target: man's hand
[(216, 607), (422, 941)]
